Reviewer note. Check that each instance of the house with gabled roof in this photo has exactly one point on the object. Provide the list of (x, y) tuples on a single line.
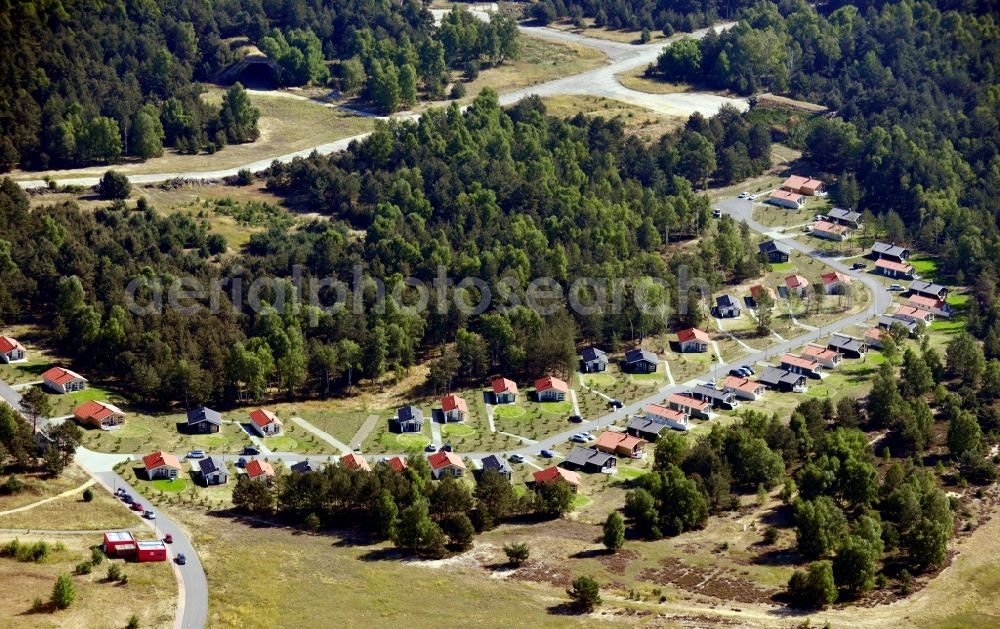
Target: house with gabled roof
[(11, 351), (101, 415), (805, 366), (830, 231), (744, 388), (937, 307), (887, 251), (786, 199), (847, 346), (593, 360), (672, 417), (929, 289), (589, 460), (550, 389), (804, 185), (213, 471), (641, 361), (835, 283), (797, 285), (63, 380), (161, 464), (265, 422), (718, 398), (886, 322), (621, 444), (727, 307), (504, 390), (203, 420), (782, 380), (693, 340), (825, 356), (845, 217), (396, 463), (645, 428), (893, 269), (407, 419), (774, 251), (556, 474), (758, 290), (444, 463), (689, 406), (258, 470), (911, 313), (355, 462), (498, 465), (873, 336), (454, 408)]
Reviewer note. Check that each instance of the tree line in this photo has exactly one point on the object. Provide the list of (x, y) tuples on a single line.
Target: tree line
[(637, 15)]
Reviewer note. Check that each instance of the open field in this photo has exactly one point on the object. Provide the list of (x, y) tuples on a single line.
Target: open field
[(150, 594), (635, 119), (286, 125), (38, 486), (71, 513)]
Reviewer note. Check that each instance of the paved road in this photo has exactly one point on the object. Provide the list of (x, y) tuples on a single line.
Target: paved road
[(598, 82)]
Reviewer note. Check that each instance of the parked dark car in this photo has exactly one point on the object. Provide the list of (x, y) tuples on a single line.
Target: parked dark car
[(252, 451), (431, 448), (242, 462), (858, 265), (615, 404), (447, 447), (127, 499), (548, 454), (576, 419)]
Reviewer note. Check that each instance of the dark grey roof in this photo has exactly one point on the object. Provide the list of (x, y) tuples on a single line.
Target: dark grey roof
[(927, 288), (582, 456), (493, 462), (204, 414), (773, 375), (212, 464), (839, 341), (407, 413), (641, 424), (715, 394), (889, 249), (592, 353), (845, 215), (303, 466), (635, 355), (773, 245), (726, 301), (885, 321)]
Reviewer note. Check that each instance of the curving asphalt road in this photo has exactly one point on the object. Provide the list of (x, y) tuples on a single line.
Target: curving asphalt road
[(598, 82)]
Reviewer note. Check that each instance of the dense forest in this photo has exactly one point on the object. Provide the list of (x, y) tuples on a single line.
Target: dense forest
[(914, 88), (504, 196), (86, 81), (637, 15)]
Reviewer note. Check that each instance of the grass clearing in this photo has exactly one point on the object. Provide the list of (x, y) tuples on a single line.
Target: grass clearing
[(71, 513), (457, 430), (610, 34), (509, 411), (635, 119), (175, 485)]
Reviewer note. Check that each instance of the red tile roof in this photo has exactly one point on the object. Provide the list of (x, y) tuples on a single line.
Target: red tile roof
[(355, 461), (159, 459), (741, 384), (757, 289), (910, 311), (612, 440), (397, 463), (453, 402), (96, 410), (503, 385), (256, 468), (8, 344), (785, 194), (893, 265), (819, 352), (873, 333), (927, 302), (262, 417), (796, 281), (551, 474), (663, 411), (798, 361), (550, 382), (60, 376), (692, 333), (834, 277), (444, 458), (830, 228), (689, 402), (798, 181)]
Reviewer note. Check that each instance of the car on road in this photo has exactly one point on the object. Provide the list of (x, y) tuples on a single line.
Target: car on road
[(744, 195), (895, 287), (196, 454), (548, 454), (149, 515), (431, 448), (858, 265), (750, 369), (590, 436), (250, 450), (181, 559), (578, 438), (242, 462), (515, 458), (137, 506), (168, 539), (576, 419), (615, 403), (753, 197), (716, 213)]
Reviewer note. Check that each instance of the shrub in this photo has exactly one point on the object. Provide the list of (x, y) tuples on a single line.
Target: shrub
[(770, 535), (12, 485), (114, 572), (133, 622), (96, 555), (124, 579), (244, 177), (84, 567), (38, 604), (814, 587), (458, 90), (63, 592), (517, 553), (312, 522), (88, 495), (585, 594), (114, 185)]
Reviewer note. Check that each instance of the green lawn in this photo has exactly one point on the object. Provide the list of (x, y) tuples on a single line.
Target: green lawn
[(412, 441), (509, 411), (457, 430), (781, 267), (281, 443), (557, 408), (599, 380), (178, 484), (64, 403)]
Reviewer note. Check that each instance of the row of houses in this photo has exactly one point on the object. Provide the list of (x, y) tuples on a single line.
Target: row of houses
[(595, 360), (795, 189)]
